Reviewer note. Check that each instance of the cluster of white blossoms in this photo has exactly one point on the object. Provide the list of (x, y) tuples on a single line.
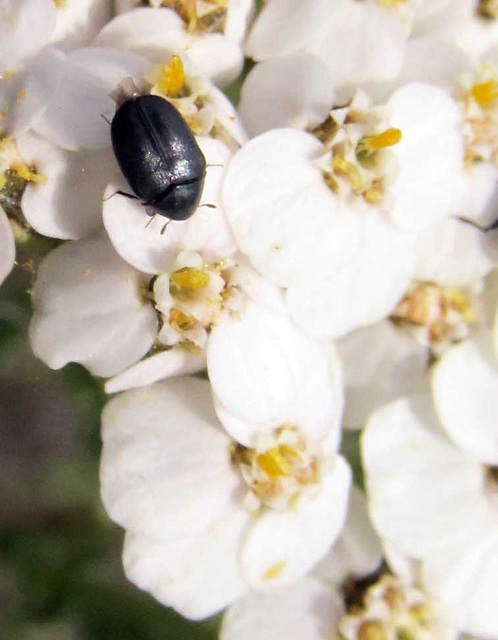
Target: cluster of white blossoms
[(339, 273)]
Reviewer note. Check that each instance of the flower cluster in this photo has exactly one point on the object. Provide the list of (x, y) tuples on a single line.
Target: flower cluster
[(340, 272)]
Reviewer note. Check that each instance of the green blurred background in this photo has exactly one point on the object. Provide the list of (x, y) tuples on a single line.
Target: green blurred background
[(60, 564)]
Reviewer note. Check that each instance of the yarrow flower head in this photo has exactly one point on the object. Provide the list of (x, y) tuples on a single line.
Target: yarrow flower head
[(276, 488)]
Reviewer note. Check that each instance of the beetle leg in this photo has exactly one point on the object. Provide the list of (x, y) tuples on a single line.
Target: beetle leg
[(490, 227), (121, 193), (164, 228), (151, 218)]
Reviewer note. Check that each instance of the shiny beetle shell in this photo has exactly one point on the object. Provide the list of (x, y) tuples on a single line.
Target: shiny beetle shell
[(158, 156)]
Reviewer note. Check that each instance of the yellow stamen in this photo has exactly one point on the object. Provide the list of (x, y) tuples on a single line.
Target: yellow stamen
[(485, 93), (179, 320), (279, 461), (172, 77), (24, 172), (391, 4), (343, 167), (189, 278), (3, 181), (388, 138), (461, 304), (371, 630)]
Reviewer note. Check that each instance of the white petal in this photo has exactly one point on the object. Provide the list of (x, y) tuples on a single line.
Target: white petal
[(286, 26), (146, 248), (37, 85), (284, 217), (295, 90), (358, 550), (464, 582), (423, 493), (381, 363), (307, 610), (284, 546), (454, 253), (215, 56), (259, 365), (18, 38), (69, 204), (79, 21), (363, 43), (430, 155), (90, 75), (239, 15), (196, 574), (431, 61), (89, 309), (379, 273), (465, 385), (255, 287), (175, 362), (166, 469), (8, 248), (156, 34)]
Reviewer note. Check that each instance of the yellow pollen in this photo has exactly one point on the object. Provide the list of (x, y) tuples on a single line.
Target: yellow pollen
[(279, 461), (343, 167), (371, 630), (24, 172), (3, 181), (274, 571), (179, 320), (172, 77), (61, 4), (388, 138), (485, 93), (391, 4), (190, 278), (21, 94), (461, 304)]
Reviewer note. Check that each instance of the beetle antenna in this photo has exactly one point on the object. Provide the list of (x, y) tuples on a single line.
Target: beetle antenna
[(104, 118), (215, 165), (150, 220), (211, 206)]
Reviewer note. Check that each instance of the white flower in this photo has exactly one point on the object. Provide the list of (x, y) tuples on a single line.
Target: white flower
[(8, 252), (160, 33), (359, 42), (381, 363), (471, 25), (298, 87), (63, 197), (330, 218), (207, 517), (435, 498), (90, 308), (191, 299)]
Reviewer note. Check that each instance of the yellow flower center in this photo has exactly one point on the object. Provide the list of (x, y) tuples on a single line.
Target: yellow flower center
[(276, 476), (24, 172), (188, 278), (387, 610), (439, 315)]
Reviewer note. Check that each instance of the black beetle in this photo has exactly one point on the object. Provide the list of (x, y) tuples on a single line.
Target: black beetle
[(158, 156)]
